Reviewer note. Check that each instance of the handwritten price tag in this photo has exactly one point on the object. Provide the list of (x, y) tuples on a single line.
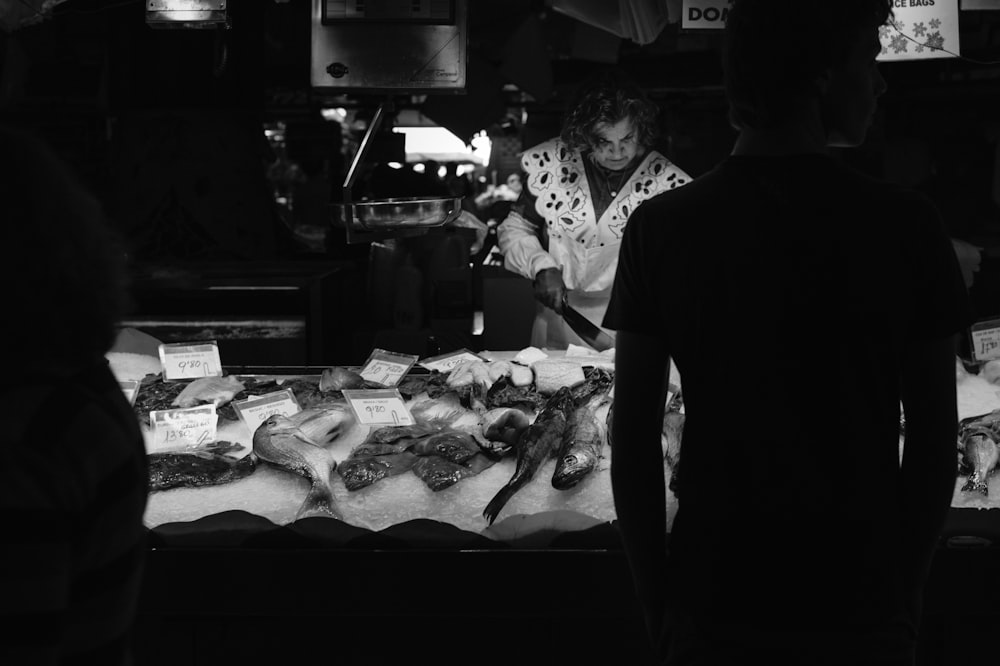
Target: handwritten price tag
[(254, 411), (386, 367), (986, 340), (380, 407), (446, 362), (184, 428), (190, 361), (130, 388)]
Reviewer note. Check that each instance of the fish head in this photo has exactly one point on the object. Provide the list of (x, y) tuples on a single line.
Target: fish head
[(570, 469), (277, 423)]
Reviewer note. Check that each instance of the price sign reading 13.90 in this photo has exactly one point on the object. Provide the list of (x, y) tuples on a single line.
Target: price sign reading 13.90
[(380, 407)]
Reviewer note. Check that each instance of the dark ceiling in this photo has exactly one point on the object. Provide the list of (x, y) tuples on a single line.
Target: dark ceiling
[(99, 54)]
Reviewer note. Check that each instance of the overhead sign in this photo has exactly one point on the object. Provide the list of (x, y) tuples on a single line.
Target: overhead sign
[(920, 30), (704, 14)]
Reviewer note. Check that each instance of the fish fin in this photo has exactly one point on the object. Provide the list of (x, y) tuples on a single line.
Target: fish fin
[(496, 504), (319, 502), (974, 484), (302, 437)]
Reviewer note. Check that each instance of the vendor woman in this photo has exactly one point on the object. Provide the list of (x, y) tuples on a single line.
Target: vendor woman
[(564, 230)]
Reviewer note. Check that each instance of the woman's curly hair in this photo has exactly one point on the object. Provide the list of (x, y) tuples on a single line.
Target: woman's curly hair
[(65, 270), (607, 98)]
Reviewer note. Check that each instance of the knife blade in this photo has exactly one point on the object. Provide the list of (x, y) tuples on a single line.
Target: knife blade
[(586, 329)]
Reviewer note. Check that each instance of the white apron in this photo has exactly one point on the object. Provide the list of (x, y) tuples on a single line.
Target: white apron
[(585, 247)]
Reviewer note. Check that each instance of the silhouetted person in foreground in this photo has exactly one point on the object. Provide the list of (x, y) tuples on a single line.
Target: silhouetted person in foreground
[(73, 479), (801, 303)]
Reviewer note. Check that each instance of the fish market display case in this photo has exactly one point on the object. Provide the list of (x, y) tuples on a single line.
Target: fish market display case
[(414, 573)]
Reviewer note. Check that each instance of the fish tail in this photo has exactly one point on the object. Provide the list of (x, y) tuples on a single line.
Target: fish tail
[(319, 502), (496, 504), (975, 483)]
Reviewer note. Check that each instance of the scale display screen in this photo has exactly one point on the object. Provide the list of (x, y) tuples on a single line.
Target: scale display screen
[(439, 12)]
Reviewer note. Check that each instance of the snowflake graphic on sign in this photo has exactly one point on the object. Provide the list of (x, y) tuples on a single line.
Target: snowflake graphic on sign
[(921, 32)]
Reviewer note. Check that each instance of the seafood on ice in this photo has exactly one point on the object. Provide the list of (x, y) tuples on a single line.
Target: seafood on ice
[(979, 451), (533, 447), (203, 466), (301, 444)]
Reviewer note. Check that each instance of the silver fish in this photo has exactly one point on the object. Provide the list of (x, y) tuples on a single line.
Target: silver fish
[(582, 444), (980, 455), (218, 390), (299, 443)]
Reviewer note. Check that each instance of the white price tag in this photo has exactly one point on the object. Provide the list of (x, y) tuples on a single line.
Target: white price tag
[(190, 361), (445, 362), (986, 340), (387, 367), (184, 428), (130, 387), (379, 407), (257, 409)]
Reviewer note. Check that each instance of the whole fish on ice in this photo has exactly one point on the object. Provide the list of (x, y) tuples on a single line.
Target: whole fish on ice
[(582, 443), (204, 466), (980, 454), (300, 444), (534, 446)]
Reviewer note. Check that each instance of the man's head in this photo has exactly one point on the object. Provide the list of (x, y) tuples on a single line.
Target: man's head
[(780, 56), (612, 117), (65, 267)]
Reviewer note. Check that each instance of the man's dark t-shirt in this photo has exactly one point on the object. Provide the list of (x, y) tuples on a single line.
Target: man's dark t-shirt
[(784, 289)]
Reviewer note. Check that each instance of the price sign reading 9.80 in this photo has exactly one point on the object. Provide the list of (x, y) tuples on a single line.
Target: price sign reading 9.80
[(379, 407), (255, 411), (190, 361)]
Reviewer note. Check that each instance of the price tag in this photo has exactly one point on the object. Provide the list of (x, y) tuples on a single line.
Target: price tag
[(184, 428), (257, 409), (190, 361), (986, 340), (445, 362), (386, 367), (130, 387), (379, 407)]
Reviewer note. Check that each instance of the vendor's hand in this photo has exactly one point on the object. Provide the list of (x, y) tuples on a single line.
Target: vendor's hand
[(550, 290)]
